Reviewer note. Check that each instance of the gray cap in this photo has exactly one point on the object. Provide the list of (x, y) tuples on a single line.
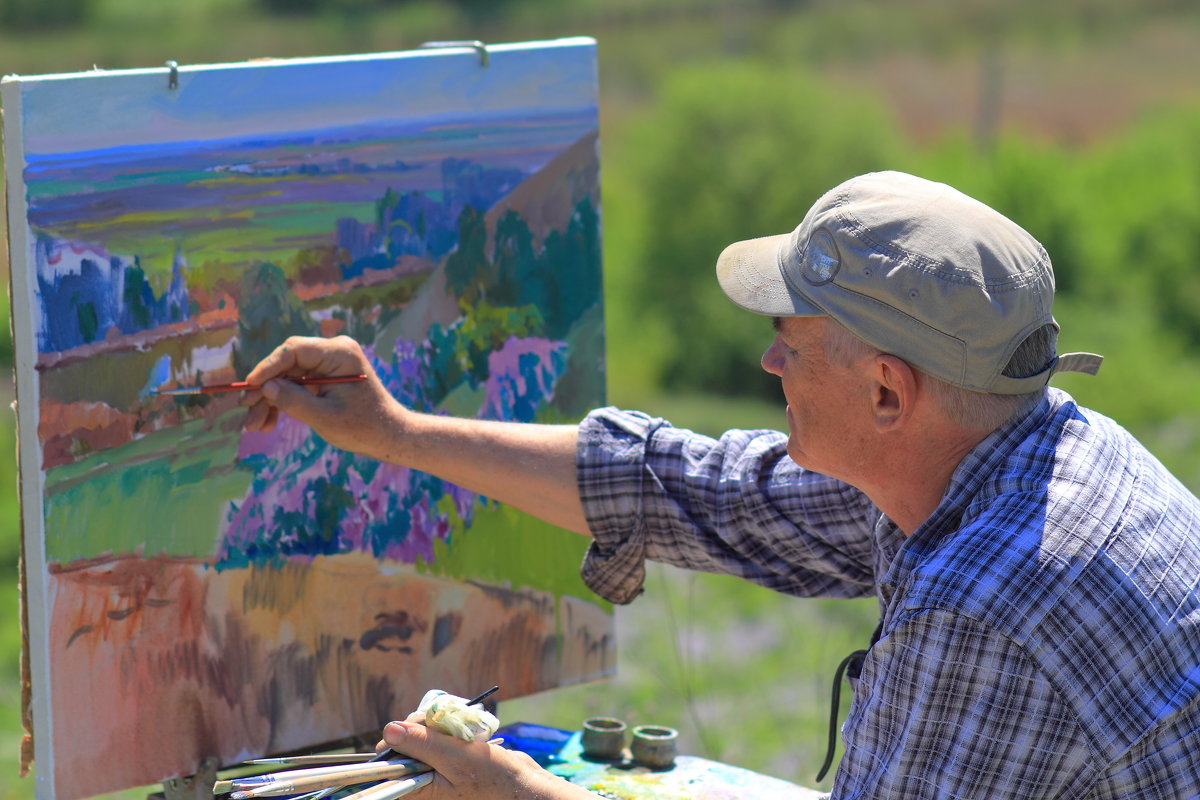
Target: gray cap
[(914, 268)]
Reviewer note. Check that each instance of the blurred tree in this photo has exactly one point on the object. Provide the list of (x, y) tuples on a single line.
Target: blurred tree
[(268, 313), (1034, 184), (477, 9), (729, 153), (1145, 193), (31, 14)]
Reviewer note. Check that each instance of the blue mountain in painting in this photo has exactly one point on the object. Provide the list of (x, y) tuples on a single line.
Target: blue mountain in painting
[(85, 292), (422, 224)]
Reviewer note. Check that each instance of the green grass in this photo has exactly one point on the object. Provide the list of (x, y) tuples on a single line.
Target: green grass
[(742, 672), (181, 471)]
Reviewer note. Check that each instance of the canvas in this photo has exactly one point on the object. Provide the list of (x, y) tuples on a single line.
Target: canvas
[(196, 591)]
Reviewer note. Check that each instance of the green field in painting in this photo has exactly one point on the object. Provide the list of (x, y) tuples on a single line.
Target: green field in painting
[(180, 480), (183, 479), (505, 546)]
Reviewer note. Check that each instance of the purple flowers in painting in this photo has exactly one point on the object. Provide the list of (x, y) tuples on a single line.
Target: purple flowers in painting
[(309, 498)]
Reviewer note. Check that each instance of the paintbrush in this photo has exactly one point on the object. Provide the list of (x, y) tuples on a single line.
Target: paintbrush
[(393, 789), (344, 772), (389, 753), (243, 386), (320, 758), (295, 783)]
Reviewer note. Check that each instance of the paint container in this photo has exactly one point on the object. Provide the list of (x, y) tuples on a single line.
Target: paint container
[(654, 746), (603, 739)]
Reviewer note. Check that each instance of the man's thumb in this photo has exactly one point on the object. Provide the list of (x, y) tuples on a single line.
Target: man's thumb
[(412, 739)]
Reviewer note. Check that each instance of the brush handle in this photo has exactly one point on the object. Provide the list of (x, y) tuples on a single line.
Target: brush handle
[(284, 783), (393, 789), (242, 386)]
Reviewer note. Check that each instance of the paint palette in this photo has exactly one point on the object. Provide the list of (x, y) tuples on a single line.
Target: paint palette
[(691, 778)]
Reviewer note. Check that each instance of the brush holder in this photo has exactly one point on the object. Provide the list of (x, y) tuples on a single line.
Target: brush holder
[(654, 746)]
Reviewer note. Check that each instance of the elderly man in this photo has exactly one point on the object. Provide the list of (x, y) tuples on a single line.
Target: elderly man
[(1036, 568)]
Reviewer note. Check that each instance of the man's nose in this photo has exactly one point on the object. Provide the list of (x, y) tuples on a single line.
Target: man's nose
[(772, 360)]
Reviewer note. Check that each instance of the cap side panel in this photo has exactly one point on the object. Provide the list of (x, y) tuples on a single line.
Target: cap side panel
[(894, 332)]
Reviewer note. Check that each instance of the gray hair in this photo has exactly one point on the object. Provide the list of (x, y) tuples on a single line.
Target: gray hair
[(966, 408)]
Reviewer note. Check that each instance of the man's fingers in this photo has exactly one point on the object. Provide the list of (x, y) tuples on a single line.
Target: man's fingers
[(308, 355), (436, 749), (256, 416), (291, 398), (281, 360)]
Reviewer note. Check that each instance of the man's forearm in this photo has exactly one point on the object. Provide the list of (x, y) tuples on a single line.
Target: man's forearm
[(530, 467)]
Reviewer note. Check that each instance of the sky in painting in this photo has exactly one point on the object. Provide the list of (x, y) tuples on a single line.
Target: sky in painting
[(308, 94)]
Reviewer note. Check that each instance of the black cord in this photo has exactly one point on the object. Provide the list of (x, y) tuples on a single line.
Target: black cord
[(851, 665), (857, 658)]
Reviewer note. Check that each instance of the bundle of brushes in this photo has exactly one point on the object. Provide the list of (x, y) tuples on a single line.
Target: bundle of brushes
[(399, 775), (392, 775)]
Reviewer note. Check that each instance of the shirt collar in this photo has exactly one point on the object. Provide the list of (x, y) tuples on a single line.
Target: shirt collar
[(967, 480)]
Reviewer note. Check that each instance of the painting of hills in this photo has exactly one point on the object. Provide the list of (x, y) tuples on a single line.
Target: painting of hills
[(197, 592)]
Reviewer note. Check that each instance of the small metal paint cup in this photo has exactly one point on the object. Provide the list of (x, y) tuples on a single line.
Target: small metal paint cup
[(654, 746), (603, 738)]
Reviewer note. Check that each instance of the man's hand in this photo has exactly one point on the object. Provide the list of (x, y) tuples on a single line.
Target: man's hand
[(476, 770), (351, 416)]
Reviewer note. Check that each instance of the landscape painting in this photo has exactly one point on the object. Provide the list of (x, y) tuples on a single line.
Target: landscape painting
[(195, 591)]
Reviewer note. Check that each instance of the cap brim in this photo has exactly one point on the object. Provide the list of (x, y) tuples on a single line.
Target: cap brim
[(751, 276)]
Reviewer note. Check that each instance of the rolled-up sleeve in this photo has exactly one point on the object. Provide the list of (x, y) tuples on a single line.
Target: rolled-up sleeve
[(735, 505)]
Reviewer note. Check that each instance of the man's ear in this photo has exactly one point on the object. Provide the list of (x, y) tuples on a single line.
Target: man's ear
[(893, 392)]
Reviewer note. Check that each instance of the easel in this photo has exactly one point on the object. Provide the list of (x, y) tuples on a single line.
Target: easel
[(190, 787), (480, 63)]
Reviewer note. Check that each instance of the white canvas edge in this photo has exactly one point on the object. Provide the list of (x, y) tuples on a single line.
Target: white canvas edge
[(457, 49), (30, 478)]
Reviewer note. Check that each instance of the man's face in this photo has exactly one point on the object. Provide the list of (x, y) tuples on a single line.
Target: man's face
[(828, 405)]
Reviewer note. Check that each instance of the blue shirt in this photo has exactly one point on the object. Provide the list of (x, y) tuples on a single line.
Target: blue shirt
[(1041, 630)]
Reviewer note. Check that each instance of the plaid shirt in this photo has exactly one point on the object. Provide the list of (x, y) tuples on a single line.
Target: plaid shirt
[(1041, 630)]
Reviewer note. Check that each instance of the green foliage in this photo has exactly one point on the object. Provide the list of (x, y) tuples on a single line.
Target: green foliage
[(732, 152), (136, 294), (477, 10), (27, 14), (563, 279), (1121, 222), (89, 323), (268, 313), (460, 352), (467, 267), (516, 263), (1144, 237), (485, 328)]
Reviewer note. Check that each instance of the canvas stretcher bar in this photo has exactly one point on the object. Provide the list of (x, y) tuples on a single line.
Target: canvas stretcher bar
[(33, 620)]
